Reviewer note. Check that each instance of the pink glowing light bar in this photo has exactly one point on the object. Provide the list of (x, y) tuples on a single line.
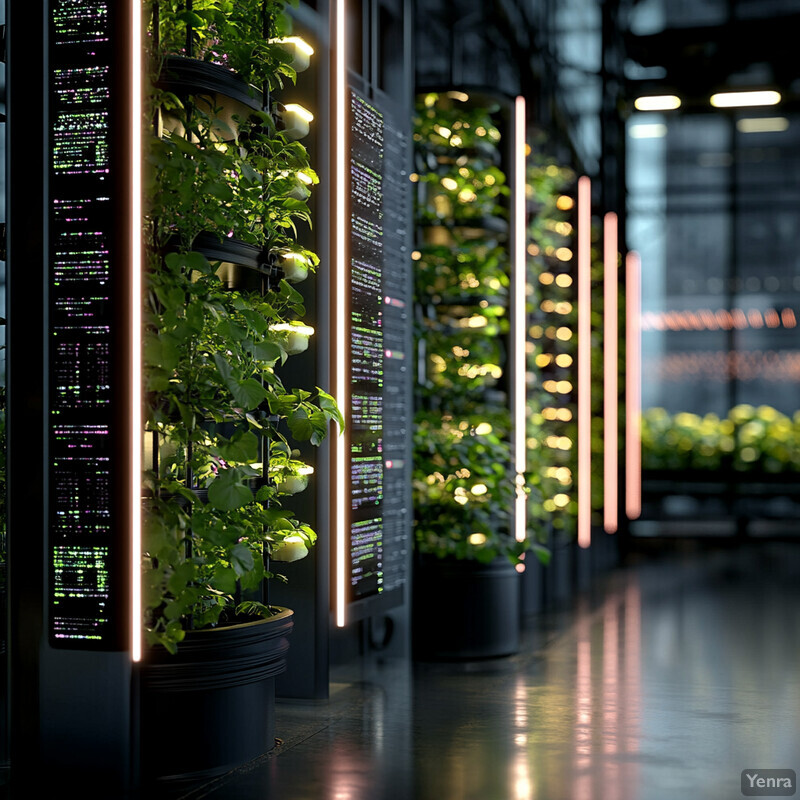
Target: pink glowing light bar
[(584, 362), (610, 371), (633, 387)]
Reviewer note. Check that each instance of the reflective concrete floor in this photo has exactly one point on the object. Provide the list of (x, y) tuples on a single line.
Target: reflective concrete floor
[(662, 683)]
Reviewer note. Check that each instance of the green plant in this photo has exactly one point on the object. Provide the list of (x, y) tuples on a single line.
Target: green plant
[(464, 485), (551, 353), (463, 489), (245, 190), (229, 33), (465, 194), (471, 270), (748, 439), (218, 415)]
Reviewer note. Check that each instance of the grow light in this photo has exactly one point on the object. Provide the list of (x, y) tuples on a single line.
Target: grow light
[(610, 369), (296, 121), (340, 342), (633, 390), (300, 49), (288, 327), (135, 354), (518, 318), (584, 361)]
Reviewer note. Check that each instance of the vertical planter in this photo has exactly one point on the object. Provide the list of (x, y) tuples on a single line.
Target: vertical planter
[(210, 707), (464, 473), (463, 609)]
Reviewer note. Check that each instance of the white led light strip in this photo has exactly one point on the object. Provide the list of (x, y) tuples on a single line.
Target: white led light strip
[(341, 351), (518, 318), (584, 362), (135, 294)]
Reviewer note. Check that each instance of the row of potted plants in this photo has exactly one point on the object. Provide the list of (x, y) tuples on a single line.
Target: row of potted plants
[(551, 352)]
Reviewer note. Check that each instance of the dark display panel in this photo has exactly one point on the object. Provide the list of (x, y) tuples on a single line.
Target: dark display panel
[(379, 535), (396, 342), (366, 355), (81, 325)]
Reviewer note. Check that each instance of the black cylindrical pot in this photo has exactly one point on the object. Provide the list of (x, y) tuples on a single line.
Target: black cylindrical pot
[(211, 707), (463, 609)]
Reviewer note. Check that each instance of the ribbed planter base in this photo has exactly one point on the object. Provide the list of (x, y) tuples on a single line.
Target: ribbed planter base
[(210, 707), (464, 609)]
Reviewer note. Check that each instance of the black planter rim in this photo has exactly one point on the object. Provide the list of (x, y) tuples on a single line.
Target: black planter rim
[(228, 655), (234, 251), (283, 614), (180, 74)]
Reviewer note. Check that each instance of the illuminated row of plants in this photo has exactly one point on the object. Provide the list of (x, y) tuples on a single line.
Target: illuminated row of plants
[(748, 439), (551, 347), (463, 482)]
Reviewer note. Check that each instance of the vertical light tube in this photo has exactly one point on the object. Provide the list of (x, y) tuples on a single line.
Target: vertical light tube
[(610, 374), (135, 354), (584, 361), (518, 318), (340, 339), (633, 386)]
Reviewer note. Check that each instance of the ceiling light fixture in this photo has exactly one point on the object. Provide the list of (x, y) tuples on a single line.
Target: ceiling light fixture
[(745, 99), (661, 102)]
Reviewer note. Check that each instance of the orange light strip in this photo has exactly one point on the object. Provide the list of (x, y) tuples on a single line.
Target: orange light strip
[(633, 387), (706, 320), (610, 373), (722, 365), (584, 362), (135, 354), (340, 339), (518, 318)]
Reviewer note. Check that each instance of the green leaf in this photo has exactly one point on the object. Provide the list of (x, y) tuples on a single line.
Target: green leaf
[(268, 352), (331, 408), (181, 577), (223, 367), (300, 425), (190, 18), (197, 261), (227, 491), (241, 448), (224, 579), (161, 352), (248, 394), (265, 494), (219, 190), (241, 559), (289, 293)]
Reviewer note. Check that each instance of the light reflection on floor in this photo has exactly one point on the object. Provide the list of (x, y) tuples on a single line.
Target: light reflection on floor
[(664, 685)]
